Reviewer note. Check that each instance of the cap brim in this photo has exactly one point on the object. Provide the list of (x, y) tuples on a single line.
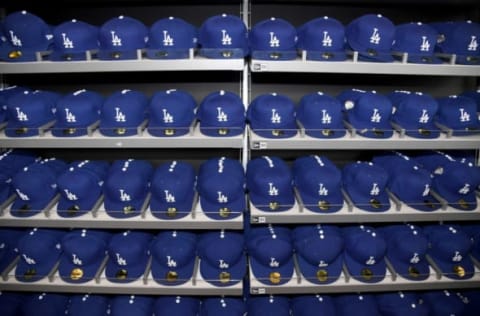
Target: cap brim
[(221, 131), (467, 60), (182, 274), (66, 270), (120, 209), (464, 202), (176, 210), (326, 55), (263, 274), (21, 208), (118, 131), (23, 270), (213, 274), (10, 53), (365, 273), (282, 131), (315, 203), (15, 129), (412, 271), (67, 208), (461, 270), (111, 54), (161, 129), (69, 131), (122, 274), (274, 55), (223, 53), (320, 275), (223, 211), (379, 203), (283, 202), (417, 130), (67, 56), (163, 53), (369, 129)]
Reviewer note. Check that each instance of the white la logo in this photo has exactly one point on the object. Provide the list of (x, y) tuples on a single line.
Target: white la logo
[(116, 41), (426, 191), (21, 116), (119, 116), (71, 196), (28, 260), (415, 258), (375, 37), (473, 45), (69, 116), (14, 39), (22, 196), (322, 264), (76, 260), (376, 117), (171, 263), (67, 43), (120, 261), (327, 40), (221, 116), (457, 257), (465, 189), (274, 41), (370, 261), (326, 118), (375, 190), (464, 116), (322, 190), (167, 39), (169, 197), (226, 39), (221, 198), (222, 264), (272, 190), (425, 46), (424, 118), (274, 263), (276, 118), (167, 117), (124, 197)]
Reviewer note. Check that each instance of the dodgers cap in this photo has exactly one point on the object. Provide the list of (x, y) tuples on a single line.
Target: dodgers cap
[(268, 305), (323, 39), (221, 114), (272, 115), (372, 36), (176, 305), (171, 113), (270, 184), (172, 190), (5, 94), (364, 253), (273, 39), (84, 251), (418, 40), (39, 250), (54, 304), (221, 187), (443, 302), (319, 183), (171, 38), (128, 254), (402, 303), (122, 113), (120, 38), (223, 260), (75, 112), (173, 257), (72, 39), (304, 305), (126, 305), (223, 36), (88, 304), (26, 35), (458, 113), (366, 184), (217, 306)]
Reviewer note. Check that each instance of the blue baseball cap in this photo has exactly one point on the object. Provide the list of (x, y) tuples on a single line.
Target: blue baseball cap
[(8, 244), (80, 187), (271, 255), (223, 260), (415, 112), (270, 184), (366, 184), (456, 182), (223, 36), (321, 116), (449, 248), (11, 303), (272, 115), (36, 186), (473, 94), (5, 94), (443, 302), (402, 303), (323, 39), (172, 190), (364, 254), (319, 250), (221, 114), (418, 40), (305, 305), (372, 36), (268, 305), (126, 305), (122, 112), (173, 257), (176, 305), (221, 187), (75, 112), (370, 115), (72, 39), (14, 159), (319, 183), (88, 304), (121, 37), (171, 38), (128, 254), (218, 306), (171, 113), (39, 250), (406, 249), (45, 304), (28, 111), (356, 304), (458, 113), (126, 187), (26, 35), (459, 38), (83, 253), (274, 39), (433, 160)]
